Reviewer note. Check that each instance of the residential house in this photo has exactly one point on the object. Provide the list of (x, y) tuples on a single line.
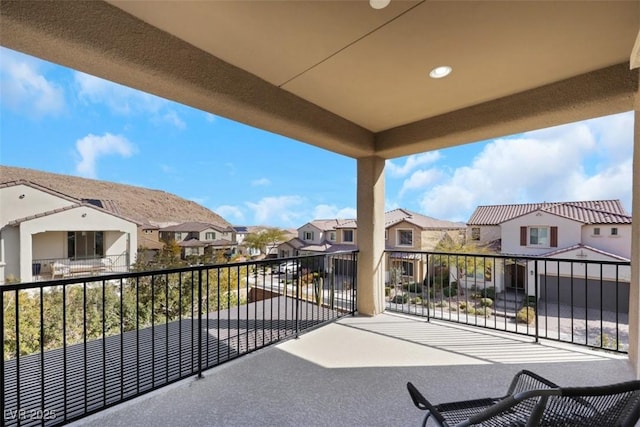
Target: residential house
[(199, 238), (149, 244), (597, 230), (47, 234), (404, 231)]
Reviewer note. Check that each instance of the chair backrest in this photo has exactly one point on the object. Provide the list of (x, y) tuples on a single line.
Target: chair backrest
[(609, 405)]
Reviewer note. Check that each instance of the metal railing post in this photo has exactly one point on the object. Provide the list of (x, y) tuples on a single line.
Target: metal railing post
[(200, 323), (535, 293), (297, 307)]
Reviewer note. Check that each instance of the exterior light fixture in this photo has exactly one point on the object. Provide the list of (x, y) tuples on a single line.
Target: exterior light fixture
[(440, 72), (21, 196), (379, 4), (84, 215)]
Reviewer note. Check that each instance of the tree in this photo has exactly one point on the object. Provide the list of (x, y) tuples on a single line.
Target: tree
[(462, 258), (265, 239)]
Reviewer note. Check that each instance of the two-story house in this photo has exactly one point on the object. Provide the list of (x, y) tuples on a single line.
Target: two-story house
[(199, 238), (404, 231), (45, 234), (598, 230)]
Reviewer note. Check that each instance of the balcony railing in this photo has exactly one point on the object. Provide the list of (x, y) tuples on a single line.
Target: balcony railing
[(61, 268), (72, 347), (576, 301)]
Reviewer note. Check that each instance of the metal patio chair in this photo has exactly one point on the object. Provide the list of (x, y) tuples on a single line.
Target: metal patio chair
[(534, 401)]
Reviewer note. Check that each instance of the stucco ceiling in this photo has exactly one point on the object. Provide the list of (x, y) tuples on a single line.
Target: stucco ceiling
[(346, 77)]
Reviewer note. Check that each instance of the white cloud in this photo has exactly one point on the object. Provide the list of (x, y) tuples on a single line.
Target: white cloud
[(419, 180), (553, 164), (232, 214), (277, 210), (92, 147), (24, 89), (172, 118), (412, 162), (260, 182), (331, 211), (210, 117), (125, 101)]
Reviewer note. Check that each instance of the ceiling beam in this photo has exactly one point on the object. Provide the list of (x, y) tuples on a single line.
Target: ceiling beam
[(100, 39), (607, 91)]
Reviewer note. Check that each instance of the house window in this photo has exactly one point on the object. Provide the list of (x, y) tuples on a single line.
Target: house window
[(386, 234), (405, 237), (85, 244), (347, 236), (596, 231), (475, 233), (407, 268), (614, 231), (148, 231), (538, 236), (308, 235), (177, 236), (210, 235), (332, 236), (284, 254)]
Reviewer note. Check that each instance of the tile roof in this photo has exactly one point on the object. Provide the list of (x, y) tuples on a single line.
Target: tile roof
[(193, 226), (109, 205), (582, 246), (76, 203), (588, 212), (398, 215), (329, 224), (295, 243)]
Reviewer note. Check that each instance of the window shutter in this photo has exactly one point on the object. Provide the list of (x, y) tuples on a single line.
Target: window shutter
[(523, 236), (554, 237)]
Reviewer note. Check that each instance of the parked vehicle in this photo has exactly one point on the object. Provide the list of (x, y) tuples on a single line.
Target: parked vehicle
[(288, 267)]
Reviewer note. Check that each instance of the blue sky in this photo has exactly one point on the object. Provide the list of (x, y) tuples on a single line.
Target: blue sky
[(59, 120)]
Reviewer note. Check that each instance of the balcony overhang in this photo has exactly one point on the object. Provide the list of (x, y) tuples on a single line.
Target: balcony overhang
[(346, 78)]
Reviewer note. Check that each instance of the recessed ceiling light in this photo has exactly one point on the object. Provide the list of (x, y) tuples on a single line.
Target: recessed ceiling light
[(379, 4), (440, 72)]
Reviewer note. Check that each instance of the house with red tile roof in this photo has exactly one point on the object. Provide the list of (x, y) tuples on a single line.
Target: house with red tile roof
[(570, 232)]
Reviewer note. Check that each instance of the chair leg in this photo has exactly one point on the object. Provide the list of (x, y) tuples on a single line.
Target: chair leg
[(426, 418)]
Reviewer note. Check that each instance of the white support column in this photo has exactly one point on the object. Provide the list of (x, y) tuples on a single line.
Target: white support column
[(26, 255), (370, 235), (634, 294)]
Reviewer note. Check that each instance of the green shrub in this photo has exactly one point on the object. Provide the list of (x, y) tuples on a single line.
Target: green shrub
[(450, 292), (387, 291), (400, 299), (484, 311), (426, 303), (413, 287), (416, 300), (486, 302), (471, 310), (441, 304), (462, 305), (453, 285), (489, 292), (530, 301), (526, 315)]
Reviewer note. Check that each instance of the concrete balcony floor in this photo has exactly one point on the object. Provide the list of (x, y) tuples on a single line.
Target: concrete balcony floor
[(354, 373)]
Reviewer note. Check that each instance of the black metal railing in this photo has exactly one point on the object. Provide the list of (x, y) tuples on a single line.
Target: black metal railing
[(62, 268), (73, 347), (577, 301)]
